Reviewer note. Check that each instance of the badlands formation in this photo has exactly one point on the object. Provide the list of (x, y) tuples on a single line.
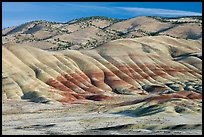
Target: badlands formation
[(103, 76)]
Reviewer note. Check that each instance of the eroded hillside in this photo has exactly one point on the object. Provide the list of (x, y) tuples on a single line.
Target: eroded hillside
[(126, 66)]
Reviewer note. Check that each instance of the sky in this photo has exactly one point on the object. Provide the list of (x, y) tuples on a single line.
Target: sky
[(16, 13)]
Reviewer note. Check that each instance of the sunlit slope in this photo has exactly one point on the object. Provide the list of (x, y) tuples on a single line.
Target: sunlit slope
[(125, 66)]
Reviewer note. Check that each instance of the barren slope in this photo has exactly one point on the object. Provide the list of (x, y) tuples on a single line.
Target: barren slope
[(114, 67), (144, 23)]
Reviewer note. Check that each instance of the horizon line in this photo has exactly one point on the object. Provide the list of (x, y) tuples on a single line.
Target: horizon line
[(66, 22)]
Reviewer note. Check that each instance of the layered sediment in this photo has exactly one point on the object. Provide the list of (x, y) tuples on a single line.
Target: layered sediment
[(138, 66)]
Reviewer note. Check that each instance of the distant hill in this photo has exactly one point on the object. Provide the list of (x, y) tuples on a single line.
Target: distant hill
[(91, 32)]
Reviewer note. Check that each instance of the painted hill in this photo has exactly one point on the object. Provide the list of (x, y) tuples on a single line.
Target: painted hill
[(125, 66)]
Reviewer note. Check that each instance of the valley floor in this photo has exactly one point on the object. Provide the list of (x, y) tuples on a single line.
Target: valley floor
[(96, 118)]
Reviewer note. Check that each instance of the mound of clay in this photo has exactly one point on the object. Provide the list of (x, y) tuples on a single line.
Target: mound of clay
[(124, 66)]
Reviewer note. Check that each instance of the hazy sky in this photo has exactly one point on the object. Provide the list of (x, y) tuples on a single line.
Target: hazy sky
[(16, 13)]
